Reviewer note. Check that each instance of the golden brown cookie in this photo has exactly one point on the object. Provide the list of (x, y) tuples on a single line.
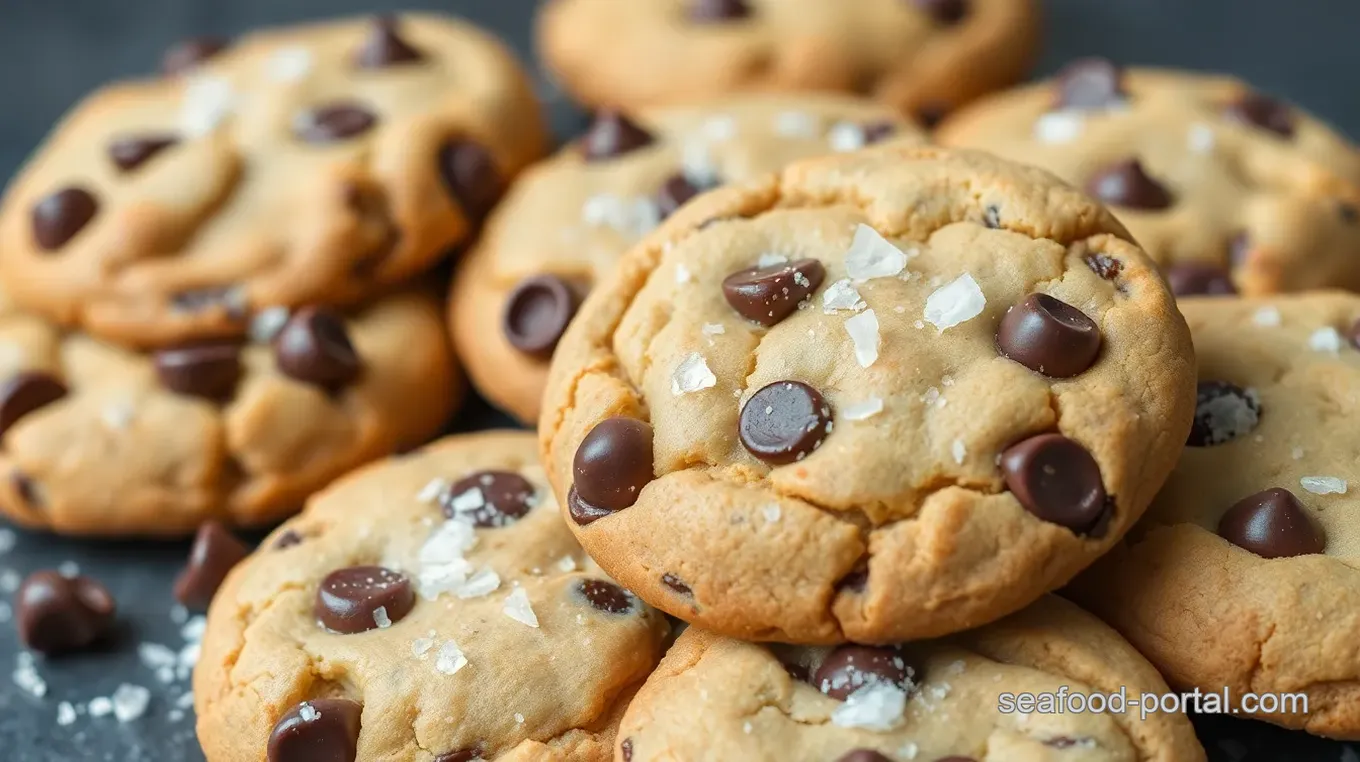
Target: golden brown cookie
[(898, 394)]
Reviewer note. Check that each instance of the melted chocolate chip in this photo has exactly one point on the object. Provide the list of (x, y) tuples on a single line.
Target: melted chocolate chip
[(784, 422), (384, 46), (314, 347), (58, 614), (1057, 480), (25, 393), (58, 217), (613, 464), (208, 370), (1105, 266), (215, 551), (606, 596), (348, 600), (1223, 412), (1090, 83), (186, 55), (320, 730), (863, 755), (674, 193), (1199, 279), (1272, 524), (490, 498), (1262, 111), (718, 10), (470, 176), (131, 152), (537, 313), (944, 12), (767, 295), (611, 134), (1126, 184), (334, 122), (849, 668), (1049, 336), (676, 584)]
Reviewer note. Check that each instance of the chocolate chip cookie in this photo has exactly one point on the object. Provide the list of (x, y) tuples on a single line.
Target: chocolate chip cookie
[(900, 393), (96, 439), (564, 226), (431, 608), (923, 57), (1245, 573), (1227, 188), (306, 165), (937, 701)]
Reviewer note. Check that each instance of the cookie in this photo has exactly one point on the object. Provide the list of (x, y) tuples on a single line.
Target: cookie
[(1245, 573), (1228, 189), (309, 165), (900, 393), (96, 439), (923, 57), (564, 226), (429, 608), (932, 701)]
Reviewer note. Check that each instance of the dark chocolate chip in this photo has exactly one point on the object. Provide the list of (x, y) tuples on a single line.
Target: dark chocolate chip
[(626, 749), (472, 754), (930, 115), (384, 46), (1057, 480), (583, 513), (537, 313), (1090, 83), (1126, 184), (863, 755), (131, 152), (187, 54), (784, 422), (767, 295), (59, 216), (944, 12), (25, 393), (208, 370), (611, 134), (334, 122), (676, 584), (718, 10), (1104, 265), (1272, 524), (1262, 111), (502, 497), (877, 132), (314, 347), (1349, 214), (348, 600), (215, 551), (320, 730), (851, 667), (58, 614), (470, 176), (674, 193), (613, 463), (1049, 336), (288, 539), (1199, 279), (1223, 412), (606, 596)]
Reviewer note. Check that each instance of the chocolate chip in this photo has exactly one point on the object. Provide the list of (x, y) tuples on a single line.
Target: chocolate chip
[(128, 153), (537, 313), (877, 132), (945, 12), (215, 551), (320, 730), (333, 122), (676, 584), (58, 614), (1354, 334), (1262, 111), (1126, 184), (187, 54), (1223, 412), (208, 370), (582, 512), (462, 755), (1349, 214), (25, 393), (606, 596), (1049, 336), (674, 193), (314, 347), (1057, 480), (611, 134), (863, 755), (1199, 279), (930, 115), (784, 422), (348, 600), (767, 295), (1272, 524), (384, 46), (1105, 266), (851, 667), (59, 216), (613, 463), (470, 176), (499, 498), (991, 218), (288, 539), (1090, 83), (718, 10)]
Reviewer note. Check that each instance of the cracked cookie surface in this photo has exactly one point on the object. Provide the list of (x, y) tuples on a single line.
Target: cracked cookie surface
[(932, 701), (1245, 572), (475, 624), (302, 165), (565, 224), (837, 426), (1226, 188)]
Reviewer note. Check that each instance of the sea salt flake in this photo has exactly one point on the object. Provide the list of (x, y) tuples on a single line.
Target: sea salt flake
[(117, 415), (420, 647), (697, 165), (1326, 340), (1059, 127), (629, 217), (193, 629), (129, 702), (795, 124), (441, 566), (863, 330), (208, 100), (1201, 138), (66, 713), (10, 580), (865, 409), (308, 713), (770, 259), (876, 706), (1296, 453), (772, 512), (841, 295), (450, 658), (909, 750), (289, 64), (719, 128), (714, 329), (959, 450), (6, 612), (746, 728), (26, 675), (484, 582), (1324, 485), (566, 564), (692, 375), (69, 569), (468, 501), (955, 303), (156, 656), (100, 706), (519, 718), (517, 607), (7, 540), (432, 490), (845, 137), (267, 323), (1266, 317), (682, 274), (873, 256), (381, 618)]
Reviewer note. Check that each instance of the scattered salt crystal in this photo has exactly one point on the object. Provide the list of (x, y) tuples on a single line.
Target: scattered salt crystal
[(26, 675), (381, 618), (432, 490), (772, 513), (157, 657), (289, 64), (1267, 317), (863, 330), (450, 658), (117, 415), (719, 128), (841, 295), (1324, 485), (207, 101), (1201, 138), (746, 728), (697, 165), (308, 713), (873, 256), (1059, 127), (931, 397), (960, 451), (1296, 453), (682, 274), (441, 566), (517, 607), (909, 750), (484, 582), (129, 702), (876, 706), (66, 713), (713, 329), (179, 614), (420, 647), (193, 629), (186, 700), (770, 259), (957, 302), (845, 137), (1326, 340), (100, 706), (6, 613), (947, 380), (468, 501), (566, 564), (795, 124), (10, 580), (7, 540), (629, 217), (692, 375), (859, 411), (519, 718), (69, 569)]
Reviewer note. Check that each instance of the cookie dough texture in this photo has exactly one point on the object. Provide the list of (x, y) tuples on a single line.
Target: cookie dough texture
[(1211, 614), (625, 53), (911, 492), (573, 218), (551, 692), (752, 708), (1273, 212), (295, 176), (121, 454)]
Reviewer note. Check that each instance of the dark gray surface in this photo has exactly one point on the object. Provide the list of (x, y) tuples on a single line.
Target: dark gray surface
[(53, 51)]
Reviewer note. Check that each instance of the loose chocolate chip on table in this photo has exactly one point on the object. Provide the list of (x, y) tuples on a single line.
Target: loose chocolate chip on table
[(128, 153), (462, 755), (612, 465), (362, 598), (718, 10), (187, 54), (59, 216), (613, 134), (1105, 266), (499, 498), (26, 392), (1057, 480), (851, 667), (58, 614), (606, 596), (1049, 336), (676, 584), (313, 346), (1262, 111), (215, 551), (1090, 83), (385, 46), (1199, 279), (1272, 524), (537, 313), (320, 730), (767, 295), (1126, 184), (944, 11), (1223, 412), (208, 370), (674, 193), (863, 755), (333, 122), (784, 422), (470, 175)]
